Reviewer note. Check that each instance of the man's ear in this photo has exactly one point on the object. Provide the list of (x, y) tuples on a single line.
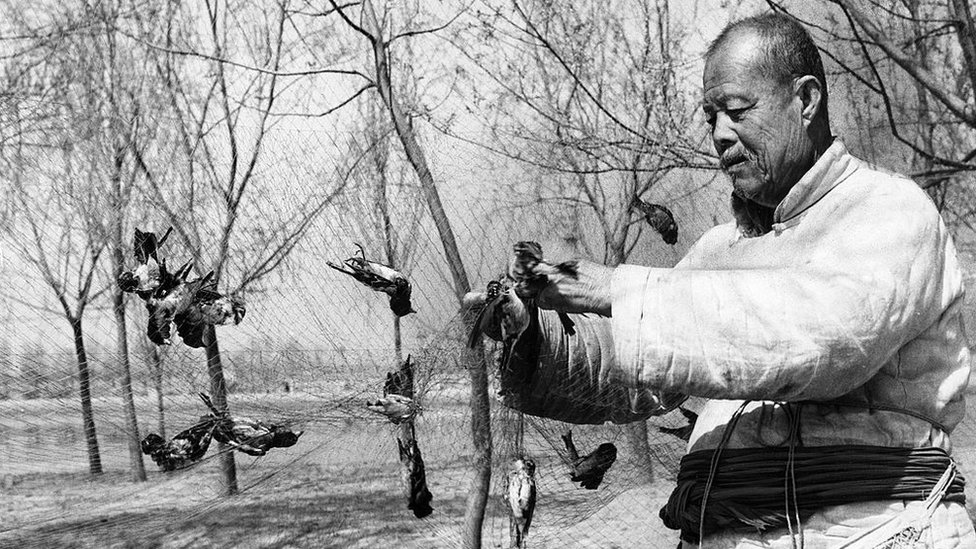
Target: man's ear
[(810, 92)]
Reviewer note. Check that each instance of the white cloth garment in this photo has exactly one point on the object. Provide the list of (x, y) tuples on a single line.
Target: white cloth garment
[(853, 301)]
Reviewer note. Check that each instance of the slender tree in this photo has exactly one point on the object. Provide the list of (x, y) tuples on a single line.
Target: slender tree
[(378, 39), (50, 232), (207, 181)]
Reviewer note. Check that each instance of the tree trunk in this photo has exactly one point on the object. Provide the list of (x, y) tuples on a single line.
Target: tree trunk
[(218, 394), (157, 375), (118, 306), (474, 359), (641, 449), (397, 340), (391, 258), (84, 389), (474, 514), (138, 469)]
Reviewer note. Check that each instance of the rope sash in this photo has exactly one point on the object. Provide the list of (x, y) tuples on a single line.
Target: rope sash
[(747, 489)]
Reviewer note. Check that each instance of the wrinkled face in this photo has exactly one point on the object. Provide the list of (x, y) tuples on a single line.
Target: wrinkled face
[(757, 125)]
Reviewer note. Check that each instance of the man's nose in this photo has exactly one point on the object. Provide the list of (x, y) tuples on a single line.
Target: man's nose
[(722, 135)]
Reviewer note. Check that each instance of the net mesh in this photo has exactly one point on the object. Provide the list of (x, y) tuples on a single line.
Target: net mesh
[(314, 345), (313, 348)]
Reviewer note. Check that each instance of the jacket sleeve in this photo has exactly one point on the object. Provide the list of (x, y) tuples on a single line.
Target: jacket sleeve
[(570, 378), (817, 325)]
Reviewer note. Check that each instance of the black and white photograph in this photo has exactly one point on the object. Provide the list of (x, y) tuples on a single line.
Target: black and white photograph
[(481, 274)]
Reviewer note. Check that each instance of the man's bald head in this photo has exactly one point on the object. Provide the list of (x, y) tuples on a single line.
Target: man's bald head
[(784, 51)]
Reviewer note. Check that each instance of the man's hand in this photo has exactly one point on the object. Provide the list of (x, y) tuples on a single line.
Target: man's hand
[(586, 291)]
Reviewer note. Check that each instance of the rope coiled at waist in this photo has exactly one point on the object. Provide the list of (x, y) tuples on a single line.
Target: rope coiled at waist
[(747, 488)]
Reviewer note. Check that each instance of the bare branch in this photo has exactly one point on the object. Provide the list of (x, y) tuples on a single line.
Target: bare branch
[(254, 68), (534, 32), (329, 111), (323, 13), (967, 37), (889, 111), (372, 39), (418, 32), (958, 106)]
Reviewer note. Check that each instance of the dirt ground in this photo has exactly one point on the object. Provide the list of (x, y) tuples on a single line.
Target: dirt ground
[(338, 487)]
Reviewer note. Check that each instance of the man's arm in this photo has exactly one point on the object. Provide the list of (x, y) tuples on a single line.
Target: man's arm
[(812, 325), (571, 378)]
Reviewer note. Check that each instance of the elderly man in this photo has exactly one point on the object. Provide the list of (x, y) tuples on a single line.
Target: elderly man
[(823, 325)]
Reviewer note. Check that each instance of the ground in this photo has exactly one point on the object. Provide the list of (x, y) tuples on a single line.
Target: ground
[(338, 487)]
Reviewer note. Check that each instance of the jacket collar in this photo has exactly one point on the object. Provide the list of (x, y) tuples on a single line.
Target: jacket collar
[(833, 166)]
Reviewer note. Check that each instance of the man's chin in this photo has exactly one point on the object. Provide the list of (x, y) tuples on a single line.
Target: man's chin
[(745, 187), (746, 181)]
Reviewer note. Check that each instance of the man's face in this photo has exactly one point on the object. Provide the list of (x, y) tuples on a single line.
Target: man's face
[(756, 124)]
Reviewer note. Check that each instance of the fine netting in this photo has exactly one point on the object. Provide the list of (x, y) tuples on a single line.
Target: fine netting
[(313, 348), (120, 135), (340, 485)]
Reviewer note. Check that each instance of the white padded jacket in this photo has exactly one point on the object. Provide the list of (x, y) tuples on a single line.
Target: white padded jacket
[(852, 302)]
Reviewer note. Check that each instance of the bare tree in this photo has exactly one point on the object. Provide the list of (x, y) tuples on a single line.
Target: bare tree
[(591, 103), (121, 89), (71, 55), (50, 232), (372, 33), (207, 181), (381, 191), (378, 36)]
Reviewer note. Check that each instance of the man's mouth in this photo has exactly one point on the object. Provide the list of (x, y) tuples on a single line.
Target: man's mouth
[(731, 162)]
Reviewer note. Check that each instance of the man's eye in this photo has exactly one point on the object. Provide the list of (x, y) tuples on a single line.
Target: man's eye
[(736, 114)]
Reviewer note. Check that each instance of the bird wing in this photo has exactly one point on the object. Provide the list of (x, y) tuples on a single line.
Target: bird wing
[(198, 437), (164, 308), (591, 481), (383, 272), (514, 493), (190, 326), (528, 254), (373, 275), (662, 220), (526, 494), (161, 240), (159, 321), (528, 508), (400, 382), (570, 446), (169, 281), (207, 292), (415, 477), (140, 243), (486, 317), (515, 319), (250, 436), (146, 244)]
